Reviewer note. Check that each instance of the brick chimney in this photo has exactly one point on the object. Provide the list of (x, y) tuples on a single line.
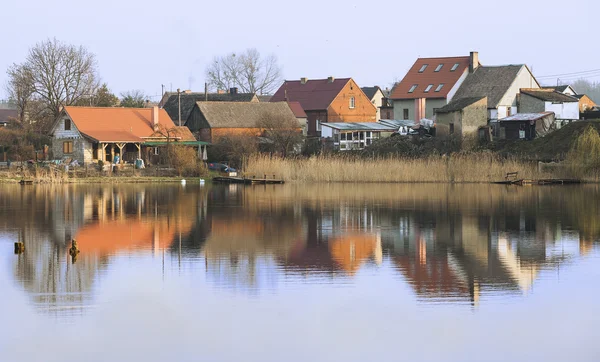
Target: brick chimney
[(303, 80), (473, 61), (154, 118), (330, 79)]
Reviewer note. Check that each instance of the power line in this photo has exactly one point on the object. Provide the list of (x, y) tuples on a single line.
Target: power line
[(567, 74)]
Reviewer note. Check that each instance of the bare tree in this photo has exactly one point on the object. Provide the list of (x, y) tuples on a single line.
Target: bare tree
[(284, 135), (133, 99), (247, 71), (20, 88), (53, 75)]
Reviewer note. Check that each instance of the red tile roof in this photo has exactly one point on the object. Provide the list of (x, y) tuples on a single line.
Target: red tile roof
[(117, 124), (297, 109), (429, 76), (314, 95)]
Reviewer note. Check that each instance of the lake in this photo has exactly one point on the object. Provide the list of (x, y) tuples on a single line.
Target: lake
[(320, 272)]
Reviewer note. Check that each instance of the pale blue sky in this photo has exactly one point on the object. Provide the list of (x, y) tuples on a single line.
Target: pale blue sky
[(141, 44)]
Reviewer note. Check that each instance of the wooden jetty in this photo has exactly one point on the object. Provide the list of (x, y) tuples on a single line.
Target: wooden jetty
[(26, 182), (246, 180), (525, 182)]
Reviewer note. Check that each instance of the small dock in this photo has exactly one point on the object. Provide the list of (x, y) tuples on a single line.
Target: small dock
[(26, 182), (525, 182), (246, 180)]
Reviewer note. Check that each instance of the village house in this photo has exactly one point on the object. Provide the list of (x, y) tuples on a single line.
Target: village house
[(387, 108), (179, 106), (296, 108), (212, 120), (328, 100), (8, 116), (92, 134), (376, 95), (526, 126), (585, 103), (565, 107), (429, 85), (347, 136), (564, 89), (501, 85), (462, 117)]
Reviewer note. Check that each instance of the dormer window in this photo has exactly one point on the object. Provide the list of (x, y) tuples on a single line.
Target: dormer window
[(428, 88), (454, 67), (439, 87), (423, 67), (412, 88), (439, 67)]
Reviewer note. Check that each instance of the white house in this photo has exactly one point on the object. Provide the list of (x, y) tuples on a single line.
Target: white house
[(376, 95), (564, 89), (565, 107), (354, 136)]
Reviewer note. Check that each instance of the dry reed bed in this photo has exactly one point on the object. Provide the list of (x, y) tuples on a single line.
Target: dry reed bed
[(475, 167)]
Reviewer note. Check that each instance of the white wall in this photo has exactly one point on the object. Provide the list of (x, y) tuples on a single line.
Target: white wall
[(492, 113), (457, 85), (377, 102), (568, 110), (524, 80)]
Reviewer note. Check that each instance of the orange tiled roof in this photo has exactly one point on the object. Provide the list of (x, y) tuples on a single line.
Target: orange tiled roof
[(117, 124), (429, 76)]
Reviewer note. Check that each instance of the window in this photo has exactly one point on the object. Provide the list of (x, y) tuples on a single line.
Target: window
[(343, 136), (352, 102), (368, 133), (67, 147), (405, 111), (439, 67), (423, 67), (428, 88), (67, 124), (368, 141), (412, 88), (155, 151), (454, 67), (439, 87), (349, 136), (451, 128)]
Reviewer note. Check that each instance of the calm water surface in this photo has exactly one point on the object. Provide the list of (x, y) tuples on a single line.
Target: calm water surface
[(300, 273)]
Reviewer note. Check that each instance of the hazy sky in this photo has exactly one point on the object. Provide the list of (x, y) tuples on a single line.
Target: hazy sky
[(141, 44)]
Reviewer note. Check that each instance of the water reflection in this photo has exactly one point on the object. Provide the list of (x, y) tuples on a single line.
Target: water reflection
[(448, 243)]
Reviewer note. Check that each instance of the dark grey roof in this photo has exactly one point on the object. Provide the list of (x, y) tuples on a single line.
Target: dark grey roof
[(8, 115), (490, 82), (244, 114), (549, 95), (188, 100), (458, 104), (370, 91)]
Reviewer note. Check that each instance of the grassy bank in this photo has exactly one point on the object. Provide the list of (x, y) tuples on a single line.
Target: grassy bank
[(473, 167)]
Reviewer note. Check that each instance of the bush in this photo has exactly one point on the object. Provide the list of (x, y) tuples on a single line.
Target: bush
[(232, 149), (184, 160)]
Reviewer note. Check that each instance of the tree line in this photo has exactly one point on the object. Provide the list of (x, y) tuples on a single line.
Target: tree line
[(55, 74)]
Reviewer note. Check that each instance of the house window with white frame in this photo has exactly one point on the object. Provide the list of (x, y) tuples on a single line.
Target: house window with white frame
[(352, 102), (454, 67)]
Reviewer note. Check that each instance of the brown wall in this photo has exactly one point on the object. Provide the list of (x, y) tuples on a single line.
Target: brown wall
[(339, 110), (466, 121), (585, 103), (312, 117)]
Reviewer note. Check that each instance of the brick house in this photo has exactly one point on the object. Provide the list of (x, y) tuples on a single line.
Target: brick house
[(212, 120), (328, 100)]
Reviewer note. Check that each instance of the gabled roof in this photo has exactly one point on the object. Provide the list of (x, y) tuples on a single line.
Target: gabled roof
[(371, 91), (117, 124), (8, 115), (549, 95), (459, 104), (520, 117), (314, 95), (243, 114), (264, 98), (490, 82), (558, 88), (188, 100), (444, 76), (296, 108)]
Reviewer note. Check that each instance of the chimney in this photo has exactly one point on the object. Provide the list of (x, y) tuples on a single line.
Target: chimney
[(233, 90), (473, 61), (330, 79), (154, 118), (303, 80)]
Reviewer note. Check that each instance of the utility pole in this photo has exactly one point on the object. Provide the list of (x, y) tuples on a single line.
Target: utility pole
[(179, 104)]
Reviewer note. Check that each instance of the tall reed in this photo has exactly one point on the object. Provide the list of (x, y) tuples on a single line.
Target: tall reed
[(467, 167)]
